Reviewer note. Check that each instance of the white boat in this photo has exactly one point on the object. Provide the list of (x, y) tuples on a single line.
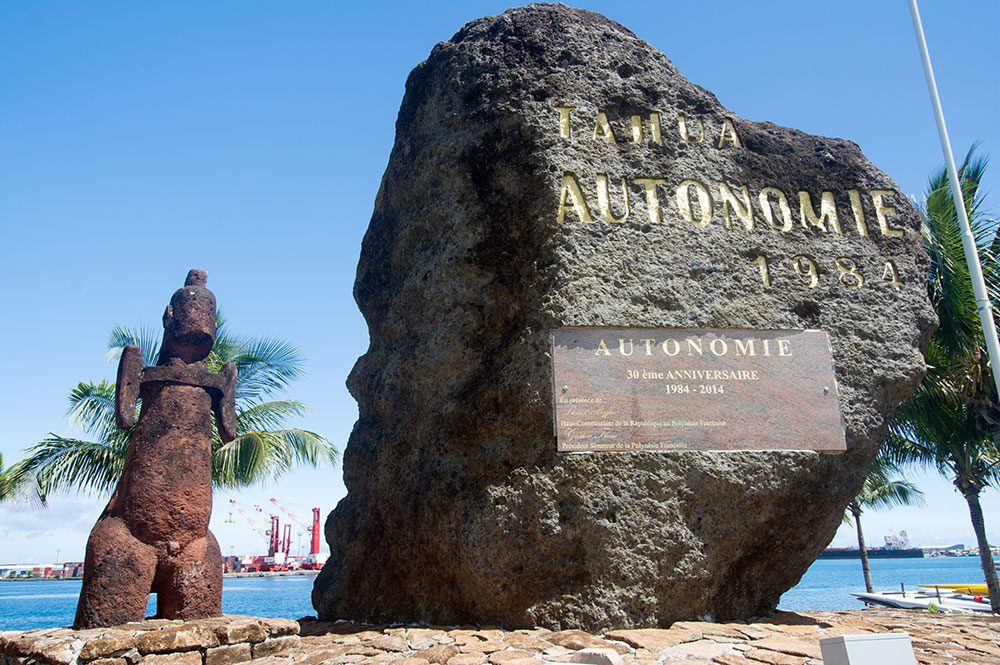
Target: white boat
[(928, 599)]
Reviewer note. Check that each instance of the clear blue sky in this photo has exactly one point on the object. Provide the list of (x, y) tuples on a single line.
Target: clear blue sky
[(139, 139)]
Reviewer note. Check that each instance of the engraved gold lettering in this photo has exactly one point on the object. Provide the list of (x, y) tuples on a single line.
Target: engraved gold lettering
[(565, 131), (744, 348), (649, 345), (859, 212), (767, 346), (621, 346), (809, 275), (718, 347), (783, 208), (694, 345), (602, 349), (654, 124), (652, 200), (602, 128), (570, 188), (666, 348), (729, 133), (765, 271), (849, 276), (828, 212), (784, 347), (636, 128), (682, 128), (889, 274), (683, 199), (741, 208), (882, 212), (604, 202)]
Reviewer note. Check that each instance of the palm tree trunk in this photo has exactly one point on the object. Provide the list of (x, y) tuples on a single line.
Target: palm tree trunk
[(985, 555), (869, 587)]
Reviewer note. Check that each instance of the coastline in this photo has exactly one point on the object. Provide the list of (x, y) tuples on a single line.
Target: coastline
[(784, 638), (279, 573)]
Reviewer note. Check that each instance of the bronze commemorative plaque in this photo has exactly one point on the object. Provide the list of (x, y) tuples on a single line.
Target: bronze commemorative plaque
[(627, 389)]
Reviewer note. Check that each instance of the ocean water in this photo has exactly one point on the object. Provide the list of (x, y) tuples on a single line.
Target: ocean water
[(825, 586), (51, 603), (828, 583)]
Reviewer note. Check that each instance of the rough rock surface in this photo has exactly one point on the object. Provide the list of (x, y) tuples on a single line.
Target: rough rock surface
[(222, 640), (459, 508), (783, 639), (153, 535)]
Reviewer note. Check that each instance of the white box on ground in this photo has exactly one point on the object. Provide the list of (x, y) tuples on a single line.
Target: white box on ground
[(894, 648)]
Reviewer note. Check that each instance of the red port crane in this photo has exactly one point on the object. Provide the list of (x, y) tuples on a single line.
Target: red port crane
[(314, 530), (314, 544)]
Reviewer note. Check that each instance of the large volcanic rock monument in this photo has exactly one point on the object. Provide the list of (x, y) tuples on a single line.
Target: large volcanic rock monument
[(551, 170)]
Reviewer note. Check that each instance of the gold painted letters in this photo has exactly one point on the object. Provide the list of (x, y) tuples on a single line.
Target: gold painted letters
[(882, 212), (783, 208), (565, 130), (704, 202), (741, 208), (604, 200), (602, 128), (652, 200), (579, 206), (828, 212)]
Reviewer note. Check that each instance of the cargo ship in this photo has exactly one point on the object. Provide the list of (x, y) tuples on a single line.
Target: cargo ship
[(896, 547)]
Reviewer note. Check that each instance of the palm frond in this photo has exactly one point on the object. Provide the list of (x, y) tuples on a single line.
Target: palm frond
[(268, 415), (264, 448), (147, 339), (257, 456), (90, 467), (263, 367), (92, 408)]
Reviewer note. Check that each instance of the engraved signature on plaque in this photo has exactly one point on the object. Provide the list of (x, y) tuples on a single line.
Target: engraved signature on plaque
[(685, 389)]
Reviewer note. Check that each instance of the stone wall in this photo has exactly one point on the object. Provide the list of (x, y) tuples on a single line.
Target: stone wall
[(785, 638), (224, 640)]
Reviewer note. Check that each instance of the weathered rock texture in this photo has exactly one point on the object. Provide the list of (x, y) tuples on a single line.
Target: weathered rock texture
[(783, 639), (223, 640), (153, 535), (459, 509)]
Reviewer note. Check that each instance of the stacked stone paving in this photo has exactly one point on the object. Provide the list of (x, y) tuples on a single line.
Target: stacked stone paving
[(783, 639)]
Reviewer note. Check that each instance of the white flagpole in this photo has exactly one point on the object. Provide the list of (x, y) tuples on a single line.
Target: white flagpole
[(968, 241)]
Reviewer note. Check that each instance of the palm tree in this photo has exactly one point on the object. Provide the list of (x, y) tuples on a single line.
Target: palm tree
[(263, 448), (952, 422), (880, 490), (5, 489)]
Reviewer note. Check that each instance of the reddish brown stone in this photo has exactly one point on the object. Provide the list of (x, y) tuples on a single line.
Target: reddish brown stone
[(524, 641), (248, 630), (498, 657), (111, 642), (153, 536), (578, 639), (280, 627), (185, 637), (389, 643), (729, 659), (439, 654), (654, 639), (108, 661), (179, 658), (227, 655), (774, 657), (275, 646)]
